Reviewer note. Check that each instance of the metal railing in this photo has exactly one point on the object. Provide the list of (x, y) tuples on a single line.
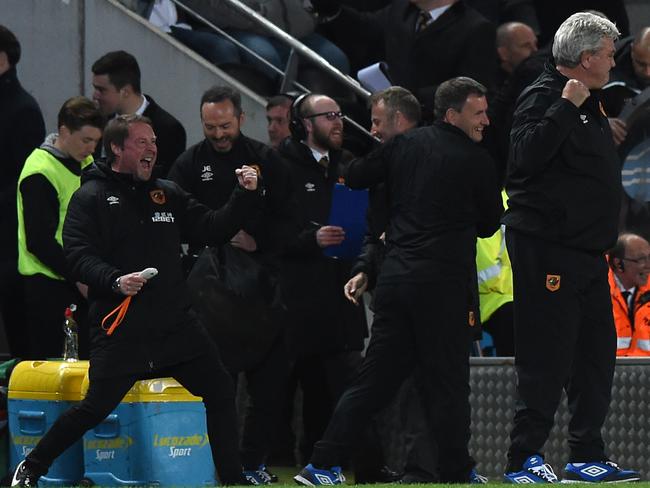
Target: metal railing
[(297, 49)]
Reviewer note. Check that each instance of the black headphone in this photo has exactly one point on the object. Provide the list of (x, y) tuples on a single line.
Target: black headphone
[(296, 125), (621, 264)]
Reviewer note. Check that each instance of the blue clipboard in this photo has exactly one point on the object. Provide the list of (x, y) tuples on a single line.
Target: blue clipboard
[(348, 210)]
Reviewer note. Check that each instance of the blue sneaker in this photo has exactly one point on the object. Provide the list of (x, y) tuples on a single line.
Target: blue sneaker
[(599, 472), (477, 479), (310, 476), (257, 476), (272, 477), (534, 470)]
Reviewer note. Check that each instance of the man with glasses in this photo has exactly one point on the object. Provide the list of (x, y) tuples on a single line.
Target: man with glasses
[(629, 266), (325, 331)]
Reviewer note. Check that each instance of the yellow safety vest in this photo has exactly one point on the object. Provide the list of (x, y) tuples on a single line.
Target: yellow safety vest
[(494, 271), (65, 183)]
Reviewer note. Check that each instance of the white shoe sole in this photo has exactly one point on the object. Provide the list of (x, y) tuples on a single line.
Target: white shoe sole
[(630, 480), (14, 479), (302, 481)]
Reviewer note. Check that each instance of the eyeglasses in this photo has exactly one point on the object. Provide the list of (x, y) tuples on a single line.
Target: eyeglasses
[(331, 116), (644, 260)]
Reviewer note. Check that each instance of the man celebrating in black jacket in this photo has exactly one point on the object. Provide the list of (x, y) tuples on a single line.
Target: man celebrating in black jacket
[(206, 170), (564, 189), (120, 222), (442, 193)]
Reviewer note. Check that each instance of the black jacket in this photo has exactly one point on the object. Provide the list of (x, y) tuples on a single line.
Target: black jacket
[(459, 42), (210, 177), (564, 176), (442, 193), (21, 131), (373, 247), (116, 226), (321, 320), (170, 136)]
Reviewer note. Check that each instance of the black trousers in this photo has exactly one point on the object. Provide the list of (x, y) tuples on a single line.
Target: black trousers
[(105, 394), (501, 327), (417, 325), (12, 309), (564, 339), (266, 384), (323, 380), (421, 450)]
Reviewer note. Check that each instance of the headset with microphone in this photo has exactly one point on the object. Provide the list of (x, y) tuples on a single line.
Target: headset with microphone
[(296, 124)]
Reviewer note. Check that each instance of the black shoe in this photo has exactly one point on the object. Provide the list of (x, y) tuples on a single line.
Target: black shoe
[(418, 477), (384, 475), (242, 480), (23, 476)]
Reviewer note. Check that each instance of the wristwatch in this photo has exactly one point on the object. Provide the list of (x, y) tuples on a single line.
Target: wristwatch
[(116, 285)]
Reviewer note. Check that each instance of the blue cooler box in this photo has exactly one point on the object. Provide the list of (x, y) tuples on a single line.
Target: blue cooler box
[(40, 391), (156, 436)]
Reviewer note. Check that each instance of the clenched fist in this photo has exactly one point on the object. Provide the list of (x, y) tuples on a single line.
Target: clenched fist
[(576, 92)]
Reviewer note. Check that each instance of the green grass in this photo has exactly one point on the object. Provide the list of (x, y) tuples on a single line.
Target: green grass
[(286, 481)]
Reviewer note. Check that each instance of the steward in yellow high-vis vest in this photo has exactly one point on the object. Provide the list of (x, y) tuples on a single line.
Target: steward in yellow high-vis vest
[(65, 182), (50, 175), (494, 275)]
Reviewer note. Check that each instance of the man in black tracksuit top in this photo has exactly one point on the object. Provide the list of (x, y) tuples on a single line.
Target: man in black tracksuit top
[(22, 129), (120, 222), (564, 189), (442, 193), (206, 170)]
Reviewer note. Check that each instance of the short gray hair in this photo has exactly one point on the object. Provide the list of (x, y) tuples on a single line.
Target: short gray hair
[(582, 32)]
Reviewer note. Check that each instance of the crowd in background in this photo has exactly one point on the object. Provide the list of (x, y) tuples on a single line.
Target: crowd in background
[(289, 312)]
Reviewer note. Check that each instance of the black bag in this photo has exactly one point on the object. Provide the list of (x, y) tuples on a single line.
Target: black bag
[(236, 296)]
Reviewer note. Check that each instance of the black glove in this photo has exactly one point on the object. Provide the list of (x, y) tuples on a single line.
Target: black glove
[(326, 8)]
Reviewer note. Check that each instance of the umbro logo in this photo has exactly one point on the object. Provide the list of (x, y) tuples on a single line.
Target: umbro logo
[(594, 471), (310, 187), (524, 479), (584, 119), (323, 480), (113, 200), (206, 173)]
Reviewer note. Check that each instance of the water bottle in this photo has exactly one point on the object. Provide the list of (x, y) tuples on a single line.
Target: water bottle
[(71, 336)]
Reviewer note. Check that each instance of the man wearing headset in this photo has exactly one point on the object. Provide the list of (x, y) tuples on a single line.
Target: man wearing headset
[(325, 332), (629, 263)]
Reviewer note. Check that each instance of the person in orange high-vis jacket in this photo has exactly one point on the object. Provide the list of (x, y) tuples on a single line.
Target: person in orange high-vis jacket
[(629, 263)]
